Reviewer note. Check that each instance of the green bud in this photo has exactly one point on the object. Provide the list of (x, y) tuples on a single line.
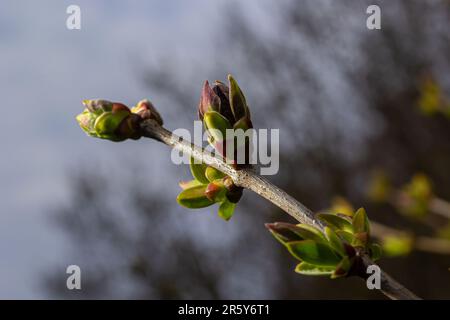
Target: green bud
[(361, 226), (102, 119), (336, 222), (221, 108), (146, 110), (226, 210), (108, 122), (194, 198), (216, 191), (114, 121), (213, 174)]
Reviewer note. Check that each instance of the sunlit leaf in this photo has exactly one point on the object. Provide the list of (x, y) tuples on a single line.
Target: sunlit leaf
[(194, 198), (313, 252), (313, 270)]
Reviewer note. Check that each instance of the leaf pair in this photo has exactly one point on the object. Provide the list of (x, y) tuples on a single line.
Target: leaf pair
[(209, 186), (319, 253)]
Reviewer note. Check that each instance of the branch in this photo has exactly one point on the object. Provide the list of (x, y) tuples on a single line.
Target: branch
[(250, 180)]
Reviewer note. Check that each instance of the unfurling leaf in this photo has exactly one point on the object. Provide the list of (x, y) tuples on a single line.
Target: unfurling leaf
[(194, 198), (237, 100), (313, 252), (361, 227), (361, 222), (336, 222)]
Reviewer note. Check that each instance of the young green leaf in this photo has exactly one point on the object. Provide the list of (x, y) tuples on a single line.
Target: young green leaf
[(313, 270), (194, 198), (346, 236), (284, 232), (334, 241), (315, 253), (361, 222), (237, 100), (198, 171), (217, 125), (226, 210), (336, 222)]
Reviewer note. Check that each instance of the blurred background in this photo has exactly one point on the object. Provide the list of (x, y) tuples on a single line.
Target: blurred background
[(364, 119)]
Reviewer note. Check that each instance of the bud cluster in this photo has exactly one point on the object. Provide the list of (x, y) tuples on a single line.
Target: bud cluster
[(336, 252), (221, 108), (208, 187), (115, 121)]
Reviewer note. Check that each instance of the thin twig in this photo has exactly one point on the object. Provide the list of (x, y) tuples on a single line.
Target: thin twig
[(249, 179)]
